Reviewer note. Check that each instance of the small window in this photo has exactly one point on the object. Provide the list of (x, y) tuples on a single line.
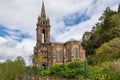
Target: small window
[(43, 36), (59, 56), (69, 55), (76, 53), (43, 22), (81, 55)]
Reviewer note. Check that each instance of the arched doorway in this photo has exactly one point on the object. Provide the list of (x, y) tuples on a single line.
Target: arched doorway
[(44, 66)]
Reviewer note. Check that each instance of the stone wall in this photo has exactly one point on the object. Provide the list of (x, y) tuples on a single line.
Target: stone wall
[(66, 52), (38, 78)]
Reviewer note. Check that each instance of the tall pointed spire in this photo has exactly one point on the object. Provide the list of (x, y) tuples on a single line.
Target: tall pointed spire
[(43, 10)]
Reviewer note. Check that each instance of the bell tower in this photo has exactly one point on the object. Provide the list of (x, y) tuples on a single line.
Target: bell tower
[(42, 47), (43, 28)]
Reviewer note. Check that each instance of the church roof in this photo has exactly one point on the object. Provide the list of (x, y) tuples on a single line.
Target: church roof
[(57, 42), (72, 40)]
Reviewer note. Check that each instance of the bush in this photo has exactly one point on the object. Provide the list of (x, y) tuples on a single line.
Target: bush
[(45, 73)]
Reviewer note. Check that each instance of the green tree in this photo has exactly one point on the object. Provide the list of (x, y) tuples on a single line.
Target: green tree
[(107, 29), (56, 70), (110, 50), (119, 8), (11, 70)]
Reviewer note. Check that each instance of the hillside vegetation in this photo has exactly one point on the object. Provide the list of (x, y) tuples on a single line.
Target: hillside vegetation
[(103, 42)]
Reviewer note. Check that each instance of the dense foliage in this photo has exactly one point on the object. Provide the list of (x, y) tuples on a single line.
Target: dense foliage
[(107, 70), (12, 70), (97, 42), (71, 70), (104, 71), (102, 47), (110, 50)]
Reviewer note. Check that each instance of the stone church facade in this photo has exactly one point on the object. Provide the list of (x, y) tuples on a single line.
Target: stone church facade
[(52, 52)]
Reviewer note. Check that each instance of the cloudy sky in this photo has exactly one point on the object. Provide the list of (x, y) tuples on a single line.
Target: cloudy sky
[(69, 19)]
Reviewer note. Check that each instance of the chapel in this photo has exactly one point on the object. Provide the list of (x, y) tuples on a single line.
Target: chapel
[(52, 52)]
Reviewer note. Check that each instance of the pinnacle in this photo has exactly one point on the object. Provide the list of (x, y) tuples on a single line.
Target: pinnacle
[(43, 14)]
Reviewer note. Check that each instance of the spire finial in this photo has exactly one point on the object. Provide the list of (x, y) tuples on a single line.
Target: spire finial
[(43, 10)]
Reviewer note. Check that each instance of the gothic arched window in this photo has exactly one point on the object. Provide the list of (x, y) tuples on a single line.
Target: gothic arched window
[(57, 56), (76, 53), (61, 57), (69, 55), (81, 55), (43, 36)]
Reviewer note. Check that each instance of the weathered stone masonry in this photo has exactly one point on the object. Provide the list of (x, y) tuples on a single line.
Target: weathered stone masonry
[(54, 53)]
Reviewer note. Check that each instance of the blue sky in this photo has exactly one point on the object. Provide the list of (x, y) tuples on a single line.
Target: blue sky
[(69, 19), (75, 19), (3, 33), (13, 34)]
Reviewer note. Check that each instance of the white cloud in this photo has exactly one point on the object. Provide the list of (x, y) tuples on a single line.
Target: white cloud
[(22, 15), (10, 49), (76, 31)]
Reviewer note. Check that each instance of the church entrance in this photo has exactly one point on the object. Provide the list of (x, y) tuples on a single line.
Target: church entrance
[(44, 66)]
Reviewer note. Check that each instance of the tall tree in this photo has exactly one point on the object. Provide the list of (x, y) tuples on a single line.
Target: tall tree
[(119, 8), (107, 29)]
